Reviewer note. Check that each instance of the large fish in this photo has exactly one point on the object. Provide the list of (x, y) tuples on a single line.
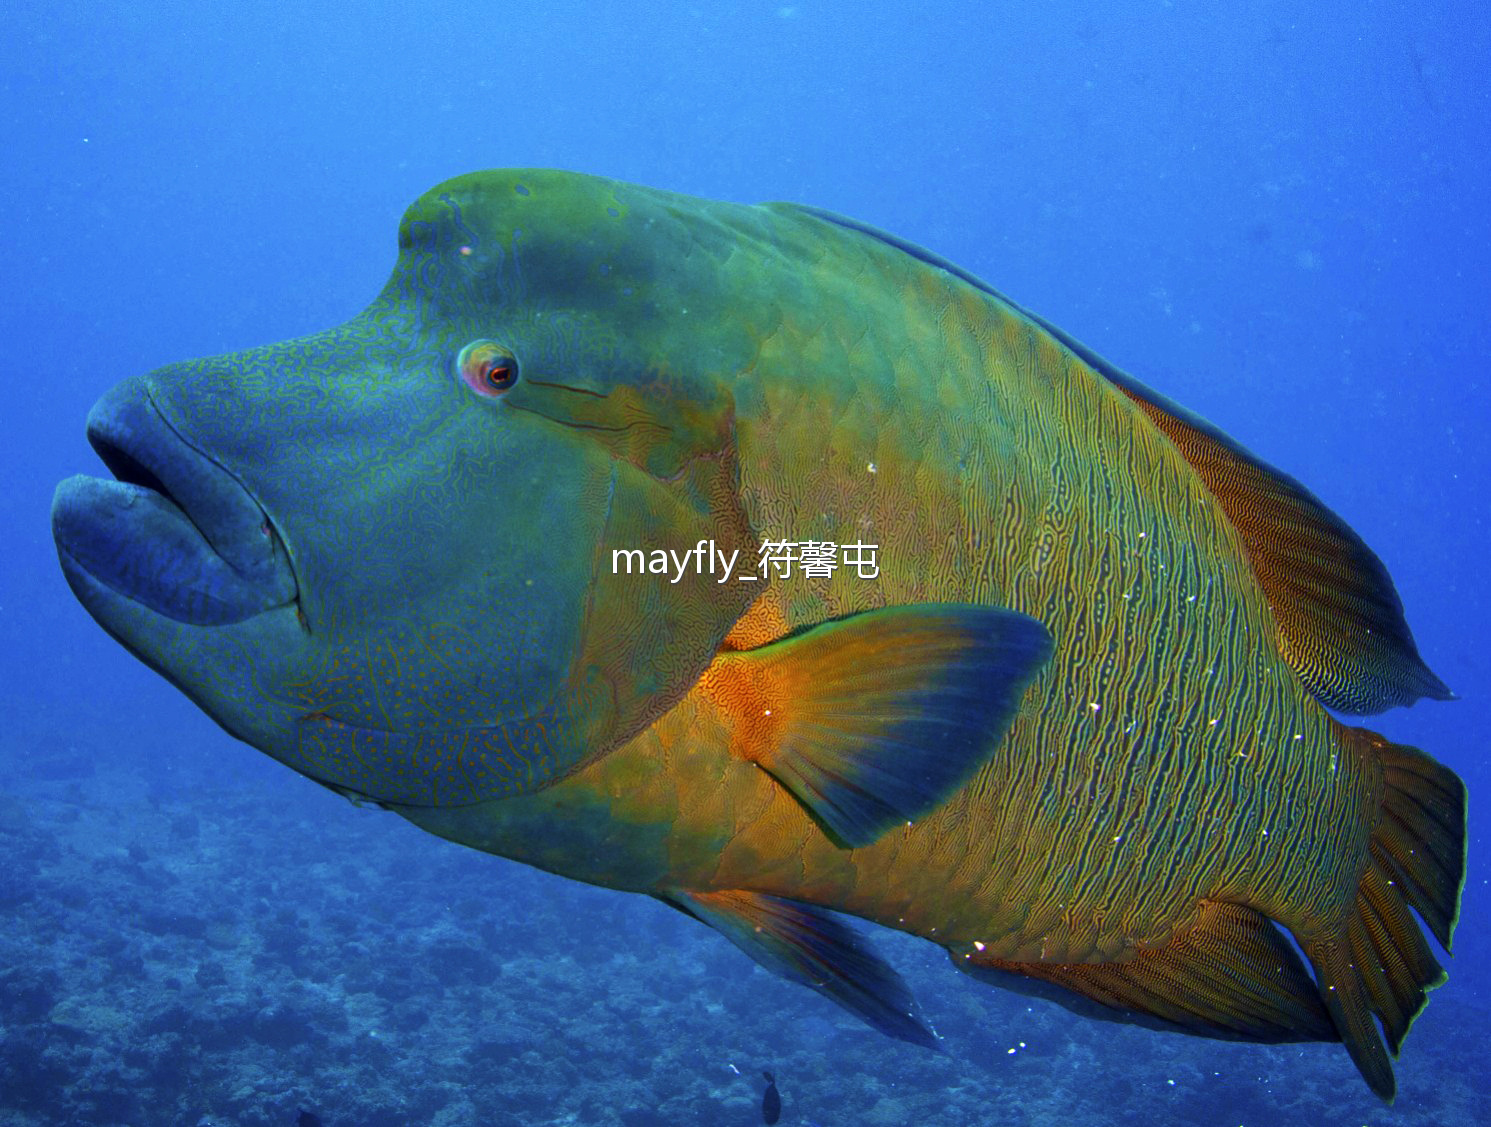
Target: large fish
[(1041, 673)]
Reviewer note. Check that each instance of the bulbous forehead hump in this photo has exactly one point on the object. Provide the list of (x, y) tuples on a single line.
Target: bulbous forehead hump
[(557, 234), (495, 203)]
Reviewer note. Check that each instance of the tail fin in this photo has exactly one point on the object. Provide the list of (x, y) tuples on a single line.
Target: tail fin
[(1382, 964)]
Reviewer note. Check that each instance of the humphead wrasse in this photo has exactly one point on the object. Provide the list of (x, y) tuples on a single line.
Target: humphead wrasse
[(970, 634)]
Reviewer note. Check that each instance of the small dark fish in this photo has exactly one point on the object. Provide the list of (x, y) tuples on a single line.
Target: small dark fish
[(771, 1102), (306, 1119)]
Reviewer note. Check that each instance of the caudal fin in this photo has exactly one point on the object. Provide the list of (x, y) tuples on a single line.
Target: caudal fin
[(1381, 963)]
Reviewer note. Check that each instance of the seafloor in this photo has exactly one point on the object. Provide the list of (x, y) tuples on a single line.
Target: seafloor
[(224, 944)]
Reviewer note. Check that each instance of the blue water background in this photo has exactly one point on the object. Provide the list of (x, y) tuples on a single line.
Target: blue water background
[(1277, 214)]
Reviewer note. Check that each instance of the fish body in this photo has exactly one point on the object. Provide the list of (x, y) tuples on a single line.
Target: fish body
[(1071, 724)]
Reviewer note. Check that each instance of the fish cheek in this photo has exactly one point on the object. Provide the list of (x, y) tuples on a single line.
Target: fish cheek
[(448, 598), (647, 637)]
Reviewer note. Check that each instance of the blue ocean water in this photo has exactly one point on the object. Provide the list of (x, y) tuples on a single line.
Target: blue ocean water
[(1277, 214)]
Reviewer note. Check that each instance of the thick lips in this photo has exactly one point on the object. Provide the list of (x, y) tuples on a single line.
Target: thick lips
[(175, 532)]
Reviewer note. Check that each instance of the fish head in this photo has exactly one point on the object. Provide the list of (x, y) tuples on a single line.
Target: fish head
[(383, 554)]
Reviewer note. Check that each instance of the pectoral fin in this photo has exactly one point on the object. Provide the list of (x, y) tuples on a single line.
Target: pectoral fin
[(806, 944), (873, 720)]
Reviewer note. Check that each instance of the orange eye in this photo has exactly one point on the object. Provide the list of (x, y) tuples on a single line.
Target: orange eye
[(499, 376), (487, 368)]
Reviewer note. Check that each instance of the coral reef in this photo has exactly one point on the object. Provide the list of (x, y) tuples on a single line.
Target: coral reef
[(227, 948)]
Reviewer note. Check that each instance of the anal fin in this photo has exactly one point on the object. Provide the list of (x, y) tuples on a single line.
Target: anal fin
[(808, 945), (1232, 976)]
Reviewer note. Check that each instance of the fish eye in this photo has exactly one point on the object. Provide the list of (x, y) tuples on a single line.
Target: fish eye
[(487, 368)]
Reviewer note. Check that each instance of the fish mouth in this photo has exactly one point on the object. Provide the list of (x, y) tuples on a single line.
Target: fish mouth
[(174, 531)]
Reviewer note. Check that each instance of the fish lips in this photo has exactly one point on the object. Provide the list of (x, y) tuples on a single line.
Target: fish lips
[(174, 531)]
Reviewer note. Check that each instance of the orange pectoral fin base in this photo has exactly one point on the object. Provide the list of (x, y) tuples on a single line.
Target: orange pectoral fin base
[(872, 721)]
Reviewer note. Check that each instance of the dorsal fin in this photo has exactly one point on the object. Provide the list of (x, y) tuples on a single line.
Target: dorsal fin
[(1339, 619)]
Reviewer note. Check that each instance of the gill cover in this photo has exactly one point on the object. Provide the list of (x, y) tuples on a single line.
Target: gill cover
[(654, 447)]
